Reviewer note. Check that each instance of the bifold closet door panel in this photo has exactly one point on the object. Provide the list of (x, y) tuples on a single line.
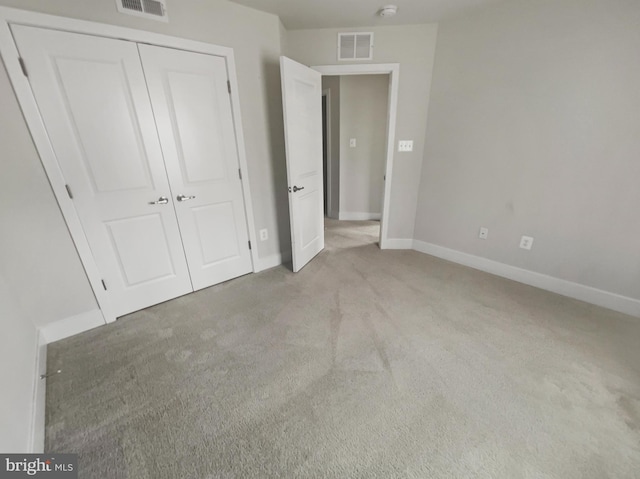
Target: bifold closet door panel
[(192, 107), (93, 98)]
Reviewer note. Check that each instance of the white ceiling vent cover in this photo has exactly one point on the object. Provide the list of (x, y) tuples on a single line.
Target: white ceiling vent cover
[(355, 46), (152, 9)]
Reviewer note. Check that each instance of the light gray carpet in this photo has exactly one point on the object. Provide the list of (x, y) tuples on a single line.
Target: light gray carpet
[(367, 364)]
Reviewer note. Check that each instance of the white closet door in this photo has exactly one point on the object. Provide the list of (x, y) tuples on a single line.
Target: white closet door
[(93, 99), (192, 107)]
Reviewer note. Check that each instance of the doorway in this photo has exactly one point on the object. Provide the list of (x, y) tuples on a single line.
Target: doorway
[(325, 152), (302, 114), (354, 124), (390, 72)]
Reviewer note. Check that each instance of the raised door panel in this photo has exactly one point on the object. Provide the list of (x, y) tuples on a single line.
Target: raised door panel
[(142, 254), (192, 107), (102, 114), (201, 140), (93, 99)]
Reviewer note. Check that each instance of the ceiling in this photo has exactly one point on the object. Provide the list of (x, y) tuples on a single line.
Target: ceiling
[(299, 14)]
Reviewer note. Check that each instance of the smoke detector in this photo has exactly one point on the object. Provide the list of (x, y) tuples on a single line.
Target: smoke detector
[(388, 11)]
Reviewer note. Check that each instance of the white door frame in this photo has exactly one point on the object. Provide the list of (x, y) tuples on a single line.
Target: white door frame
[(393, 70), (22, 88), (327, 93)]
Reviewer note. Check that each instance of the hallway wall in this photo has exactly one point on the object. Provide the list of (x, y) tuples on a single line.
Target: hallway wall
[(332, 83), (363, 117)]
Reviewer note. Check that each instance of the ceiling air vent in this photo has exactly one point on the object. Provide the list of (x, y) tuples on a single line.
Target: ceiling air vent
[(154, 9), (355, 46)]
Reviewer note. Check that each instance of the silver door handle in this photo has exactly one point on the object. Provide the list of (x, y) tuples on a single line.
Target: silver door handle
[(182, 198), (296, 189), (163, 200)]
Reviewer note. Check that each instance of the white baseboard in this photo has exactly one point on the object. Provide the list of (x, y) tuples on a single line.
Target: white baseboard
[(73, 325), (588, 294), (358, 216), (39, 397), (397, 243), (272, 261)]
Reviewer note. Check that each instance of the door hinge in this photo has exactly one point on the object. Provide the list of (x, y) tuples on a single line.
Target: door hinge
[(249, 244), (239, 173), (23, 66), (229, 86), (69, 191), (104, 285)]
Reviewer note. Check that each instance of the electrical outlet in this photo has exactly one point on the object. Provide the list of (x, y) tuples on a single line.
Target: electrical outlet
[(264, 235), (526, 242), (405, 145), (352, 142), (484, 233)]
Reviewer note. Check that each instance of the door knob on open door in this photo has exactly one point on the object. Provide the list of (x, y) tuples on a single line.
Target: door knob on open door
[(184, 198), (163, 200), (295, 188)]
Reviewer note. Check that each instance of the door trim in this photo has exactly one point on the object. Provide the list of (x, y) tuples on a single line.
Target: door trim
[(393, 70), (22, 88), (327, 125)]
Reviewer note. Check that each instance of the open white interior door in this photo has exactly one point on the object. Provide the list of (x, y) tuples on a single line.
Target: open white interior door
[(302, 105)]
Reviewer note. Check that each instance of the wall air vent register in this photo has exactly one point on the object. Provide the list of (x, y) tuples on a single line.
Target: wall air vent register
[(152, 9), (355, 46)]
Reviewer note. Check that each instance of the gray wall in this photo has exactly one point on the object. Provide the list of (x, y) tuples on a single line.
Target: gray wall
[(332, 83), (363, 116), (36, 250), (413, 47), (283, 38), (534, 128), (18, 346)]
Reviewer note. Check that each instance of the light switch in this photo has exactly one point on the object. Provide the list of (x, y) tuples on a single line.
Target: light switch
[(352, 142), (405, 145)]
